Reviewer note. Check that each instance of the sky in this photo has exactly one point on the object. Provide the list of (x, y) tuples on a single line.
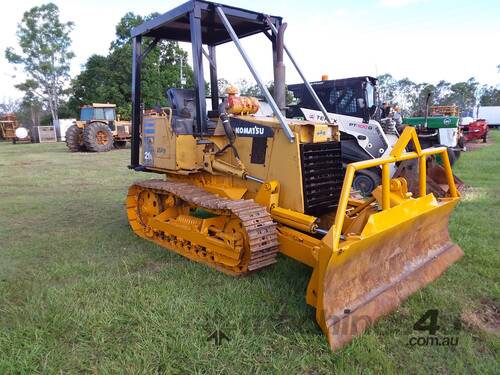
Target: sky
[(424, 40)]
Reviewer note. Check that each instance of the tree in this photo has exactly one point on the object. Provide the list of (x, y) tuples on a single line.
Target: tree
[(462, 94), (443, 89), (108, 78), (407, 93), (412, 96), (419, 106), (490, 96), (45, 54), (403, 92), (247, 88), (9, 105), (387, 87), (30, 110), (222, 85)]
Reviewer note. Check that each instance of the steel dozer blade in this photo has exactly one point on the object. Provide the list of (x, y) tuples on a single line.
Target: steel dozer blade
[(380, 252), (371, 276)]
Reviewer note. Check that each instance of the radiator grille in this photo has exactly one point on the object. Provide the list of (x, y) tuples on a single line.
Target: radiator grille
[(322, 176)]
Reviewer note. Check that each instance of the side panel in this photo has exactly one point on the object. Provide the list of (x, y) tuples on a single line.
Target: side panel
[(284, 166), (281, 163), (163, 149), (189, 155), (158, 146)]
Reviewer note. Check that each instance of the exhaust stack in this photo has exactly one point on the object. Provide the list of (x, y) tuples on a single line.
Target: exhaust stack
[(279, 71)]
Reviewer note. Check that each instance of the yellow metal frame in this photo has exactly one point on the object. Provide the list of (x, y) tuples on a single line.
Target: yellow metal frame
[(397, 154)]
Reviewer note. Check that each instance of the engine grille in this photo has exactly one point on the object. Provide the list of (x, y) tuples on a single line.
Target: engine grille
[(322, 176)]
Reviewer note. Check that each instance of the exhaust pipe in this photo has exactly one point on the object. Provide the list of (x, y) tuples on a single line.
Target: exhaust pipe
[(279, 71)]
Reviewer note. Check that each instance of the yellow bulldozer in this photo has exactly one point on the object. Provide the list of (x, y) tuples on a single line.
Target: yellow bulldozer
[(238, 188), (98, 129)]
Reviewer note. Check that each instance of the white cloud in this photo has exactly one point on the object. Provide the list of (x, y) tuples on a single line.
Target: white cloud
[(399, 3), (340, 12)]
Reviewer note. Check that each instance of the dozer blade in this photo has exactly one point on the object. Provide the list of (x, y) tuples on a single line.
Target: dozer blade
[(399, 251), (376, 255)]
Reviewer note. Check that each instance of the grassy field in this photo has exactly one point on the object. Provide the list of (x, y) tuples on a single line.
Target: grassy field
[(79, 293)]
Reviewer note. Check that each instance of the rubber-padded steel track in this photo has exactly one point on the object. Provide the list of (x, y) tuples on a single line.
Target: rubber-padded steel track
[(262, 240)]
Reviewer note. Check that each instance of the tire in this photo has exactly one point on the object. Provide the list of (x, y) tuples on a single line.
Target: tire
[(97, 137), (74, 139), (452, 156), (461, 142), (120, 144), (485, 137), (365, 181)]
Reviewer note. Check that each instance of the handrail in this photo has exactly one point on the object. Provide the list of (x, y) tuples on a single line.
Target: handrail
[(398, 154)]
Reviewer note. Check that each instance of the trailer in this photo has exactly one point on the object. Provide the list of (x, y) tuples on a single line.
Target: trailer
[(491, 114)]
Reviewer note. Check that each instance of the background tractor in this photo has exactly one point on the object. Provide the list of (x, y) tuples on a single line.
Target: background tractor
[(440, 128), (98, 129)]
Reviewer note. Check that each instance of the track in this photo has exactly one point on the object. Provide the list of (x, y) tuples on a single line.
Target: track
[(243, 237)]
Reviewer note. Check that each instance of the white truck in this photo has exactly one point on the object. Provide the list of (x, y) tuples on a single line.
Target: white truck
[(491, 114)]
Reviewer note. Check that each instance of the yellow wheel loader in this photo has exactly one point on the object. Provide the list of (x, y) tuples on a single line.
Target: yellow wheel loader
[(237, 189)]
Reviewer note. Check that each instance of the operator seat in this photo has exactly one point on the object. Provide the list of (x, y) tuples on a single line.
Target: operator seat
[(184, 111)]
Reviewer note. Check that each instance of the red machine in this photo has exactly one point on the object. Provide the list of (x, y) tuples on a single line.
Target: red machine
[(474, 129)]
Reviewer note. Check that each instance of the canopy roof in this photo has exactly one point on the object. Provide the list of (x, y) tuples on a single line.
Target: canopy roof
[(174, 25)]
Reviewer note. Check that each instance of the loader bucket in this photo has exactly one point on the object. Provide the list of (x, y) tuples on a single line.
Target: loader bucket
[(402, 246)]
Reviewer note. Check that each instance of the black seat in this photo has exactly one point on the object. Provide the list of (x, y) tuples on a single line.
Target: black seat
[(184, 111), (182, 101)]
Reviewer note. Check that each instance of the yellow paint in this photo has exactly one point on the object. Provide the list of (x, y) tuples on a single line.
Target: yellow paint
[(294, 219)]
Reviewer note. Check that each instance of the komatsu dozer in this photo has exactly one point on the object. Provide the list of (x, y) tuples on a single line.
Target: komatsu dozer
[(235, 189)]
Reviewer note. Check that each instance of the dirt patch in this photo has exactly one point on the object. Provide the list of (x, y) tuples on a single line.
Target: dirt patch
[(486, 317), (470, 193), (478, 144), (154, 267)]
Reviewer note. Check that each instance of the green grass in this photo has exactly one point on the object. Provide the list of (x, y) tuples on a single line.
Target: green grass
[(80, 293)]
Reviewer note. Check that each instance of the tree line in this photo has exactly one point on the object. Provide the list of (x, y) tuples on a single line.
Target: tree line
[(412, 97), (44, 53)]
